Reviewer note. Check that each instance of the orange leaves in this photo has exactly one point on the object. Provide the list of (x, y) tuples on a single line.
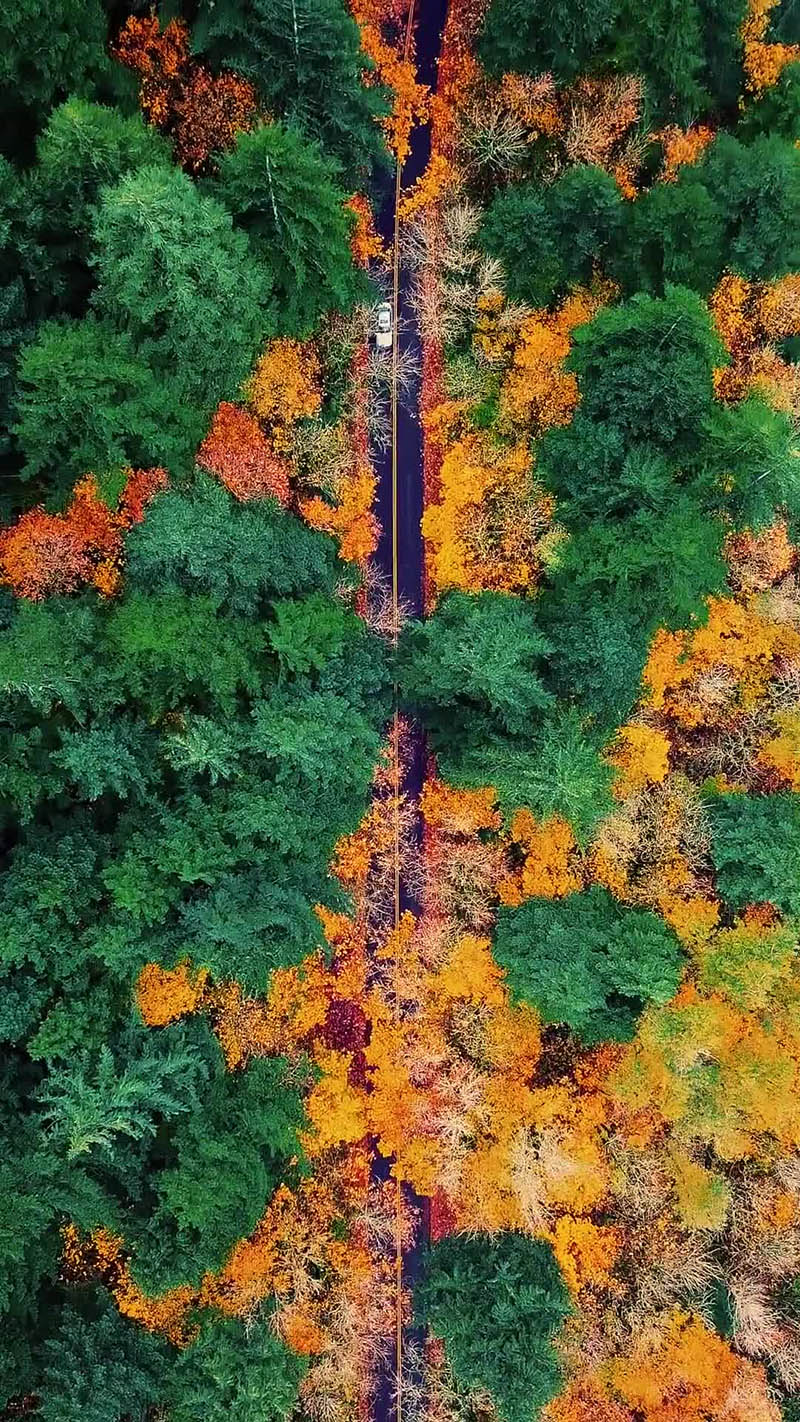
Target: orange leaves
[(641, 754), (236, 450), (203, 113), (45, 555), (351, 520), (335, 1108), (398, 73), (365, 244), (459, 811), (439, 178), (470, 973), (165, 994), (285, 387), (751, 317), (763, 63), (538, 394), (586, 1252), (682, 146), (737, 642), (100, 1255), (486, 531), (550, 865), (675, 1370)]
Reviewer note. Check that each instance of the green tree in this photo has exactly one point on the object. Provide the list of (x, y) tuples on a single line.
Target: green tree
[(305, 57), (242, 555), (497, 1301), (476, 666), (558, 770), (86, 400), (234, 1371), (49, 51), (283, 192), (100, 1367), (533, 36), (550, 237), (755, 843), (645, 368), (228, 1160), (757, 189), (588, 960), (83, 147), (174, 276)]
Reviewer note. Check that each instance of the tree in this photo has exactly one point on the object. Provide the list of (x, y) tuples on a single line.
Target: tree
[(183, 285), (228, 1160), (757, 189), (86, 400), (99, 1367), (549, 237), (240, 555), (645, 368), (588, 960), (235, 1371), (83, 147), (532, 36), (306, 59), (476, 665), (557, 770), (49, 53), (755, 841), (282, 191), (497, 1302)]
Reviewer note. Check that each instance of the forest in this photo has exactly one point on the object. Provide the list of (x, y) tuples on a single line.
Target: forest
[(334, 1088)]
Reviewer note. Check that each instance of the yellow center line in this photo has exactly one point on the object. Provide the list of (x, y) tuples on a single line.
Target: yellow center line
[(398, 1257)]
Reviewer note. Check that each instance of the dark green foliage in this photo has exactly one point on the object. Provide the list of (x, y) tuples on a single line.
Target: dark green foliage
[(16, 314), (755, 849), (738, 208), (224, 1163), (233, 1371), (86, 401), (645, 369), (283, 192), (777, 110), (182, 310), (497, 1302), (687, 50), (241, 555), (675, 234), (548, 238), (83, 147), (305, 58), (99, 1367), (175, 276), (49, 51), (757, 189), (558, 771), (588, 960), (533, 35), (475, 667)]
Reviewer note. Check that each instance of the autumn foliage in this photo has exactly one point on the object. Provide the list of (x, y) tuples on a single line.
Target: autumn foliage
[(201, 112), (44, 555), (236, 450)]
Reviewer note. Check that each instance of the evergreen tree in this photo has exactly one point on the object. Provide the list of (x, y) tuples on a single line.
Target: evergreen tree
[(283, 192), (588, 960), (305, 57), (497, 1302)]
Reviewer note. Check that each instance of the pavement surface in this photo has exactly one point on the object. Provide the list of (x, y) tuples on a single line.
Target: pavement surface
[(400, 557)]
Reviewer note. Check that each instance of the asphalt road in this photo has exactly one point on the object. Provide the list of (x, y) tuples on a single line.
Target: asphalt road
[(401, 557)]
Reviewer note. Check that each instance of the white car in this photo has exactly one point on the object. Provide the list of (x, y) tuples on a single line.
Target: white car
[(383, 325)]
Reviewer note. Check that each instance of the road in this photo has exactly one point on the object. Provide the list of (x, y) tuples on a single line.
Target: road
[(400, 557)]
